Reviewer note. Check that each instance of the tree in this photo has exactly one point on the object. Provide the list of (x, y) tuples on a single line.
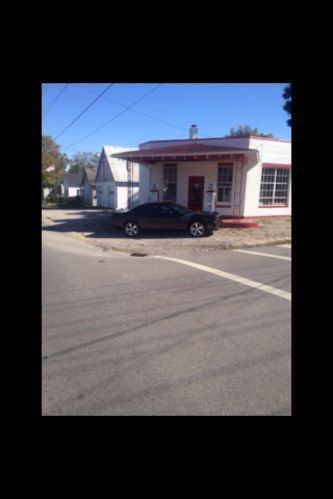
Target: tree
[(51, 156), (287, 106), (246, 131), (83, 160)]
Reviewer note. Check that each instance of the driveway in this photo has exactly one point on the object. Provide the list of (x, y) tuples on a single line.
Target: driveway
[(94, 226)]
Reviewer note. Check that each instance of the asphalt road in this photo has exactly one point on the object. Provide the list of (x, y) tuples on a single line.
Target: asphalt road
[(126, 335)]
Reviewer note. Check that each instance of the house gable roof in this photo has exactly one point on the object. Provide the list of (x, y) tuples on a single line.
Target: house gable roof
[(72, 179), (111, 169), (89, 175)]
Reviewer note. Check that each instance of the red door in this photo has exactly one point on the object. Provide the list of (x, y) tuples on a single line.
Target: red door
[(196, 193)]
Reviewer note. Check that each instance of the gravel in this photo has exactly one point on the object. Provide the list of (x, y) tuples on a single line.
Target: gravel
[(94, 227)]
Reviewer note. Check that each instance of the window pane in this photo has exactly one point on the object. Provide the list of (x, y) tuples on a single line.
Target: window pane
[(282, 175), (274, 186), (170, 183), (224, 183)]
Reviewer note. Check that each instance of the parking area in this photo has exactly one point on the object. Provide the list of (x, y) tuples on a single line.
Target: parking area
[(94, 226)]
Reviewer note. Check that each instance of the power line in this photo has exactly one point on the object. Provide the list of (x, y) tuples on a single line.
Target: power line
[(143, 114), (116, 116), (55, 100), (84, 110), (135, 110)]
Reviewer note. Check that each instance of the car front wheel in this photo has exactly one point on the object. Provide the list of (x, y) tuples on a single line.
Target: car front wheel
[(197, 229), (131, 228)]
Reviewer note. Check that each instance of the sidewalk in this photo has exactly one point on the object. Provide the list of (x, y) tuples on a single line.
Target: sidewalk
[(94, 227)]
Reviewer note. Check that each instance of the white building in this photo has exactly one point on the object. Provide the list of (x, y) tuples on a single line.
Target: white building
[(120, 184), (88, 187), (70, 184), (240, 177)]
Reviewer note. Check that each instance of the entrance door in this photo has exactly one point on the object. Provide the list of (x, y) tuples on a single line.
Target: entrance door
[(110, 203), (196, 193)]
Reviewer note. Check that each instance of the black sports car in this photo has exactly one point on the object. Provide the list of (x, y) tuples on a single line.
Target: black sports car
[(166, 215)]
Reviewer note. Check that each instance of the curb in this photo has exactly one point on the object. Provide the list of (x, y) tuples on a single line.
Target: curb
[(202, 249)]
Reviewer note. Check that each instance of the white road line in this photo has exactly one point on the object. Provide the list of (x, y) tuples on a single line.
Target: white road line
[(232, 277), (284, 245), (263, 254)]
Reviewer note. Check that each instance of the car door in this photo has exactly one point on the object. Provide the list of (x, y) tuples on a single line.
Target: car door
[(162, 217), (144, 215), (167, 218)]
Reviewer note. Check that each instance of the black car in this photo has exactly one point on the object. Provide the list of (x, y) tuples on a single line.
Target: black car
[(166, 215)]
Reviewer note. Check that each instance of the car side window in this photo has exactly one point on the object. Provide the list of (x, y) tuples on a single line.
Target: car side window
[(163, 210), (141, 210)]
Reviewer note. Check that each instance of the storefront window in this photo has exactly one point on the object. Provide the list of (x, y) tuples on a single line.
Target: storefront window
[(274, 186)]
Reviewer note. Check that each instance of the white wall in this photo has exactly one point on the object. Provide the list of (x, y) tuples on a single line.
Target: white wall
[(278, 152), (89, 194), (104, 198), (252, 208), (186, 169), (119, 200), (272, 151), (144, 192), (72, 191), (122, 196)]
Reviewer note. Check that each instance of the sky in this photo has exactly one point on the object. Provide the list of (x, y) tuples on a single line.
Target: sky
[(160, 112)]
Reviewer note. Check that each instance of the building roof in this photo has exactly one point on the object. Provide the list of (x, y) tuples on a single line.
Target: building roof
[(72, 179), (189, 151), (118, 165), (203, 140), (90, 174)]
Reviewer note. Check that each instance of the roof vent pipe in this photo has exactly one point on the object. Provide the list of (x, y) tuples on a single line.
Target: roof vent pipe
[(193, 132)]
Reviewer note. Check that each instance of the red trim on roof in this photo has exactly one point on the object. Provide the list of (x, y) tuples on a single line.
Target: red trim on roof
[(185, 157)]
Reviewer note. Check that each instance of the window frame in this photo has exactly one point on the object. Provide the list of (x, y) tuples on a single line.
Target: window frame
[(175, 183), (225, 185), (277, 186)]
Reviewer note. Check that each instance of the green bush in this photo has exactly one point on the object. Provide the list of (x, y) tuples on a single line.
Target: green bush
[(65, 201)]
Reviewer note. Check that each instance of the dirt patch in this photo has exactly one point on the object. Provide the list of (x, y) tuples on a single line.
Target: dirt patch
[(94, 226)]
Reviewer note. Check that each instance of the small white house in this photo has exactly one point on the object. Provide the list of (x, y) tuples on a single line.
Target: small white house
[(240, 177), (120, 184), (71, 184), (88, 187)]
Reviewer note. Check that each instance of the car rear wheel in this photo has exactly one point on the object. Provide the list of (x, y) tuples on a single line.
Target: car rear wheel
[(131, 228), (197, 229)]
